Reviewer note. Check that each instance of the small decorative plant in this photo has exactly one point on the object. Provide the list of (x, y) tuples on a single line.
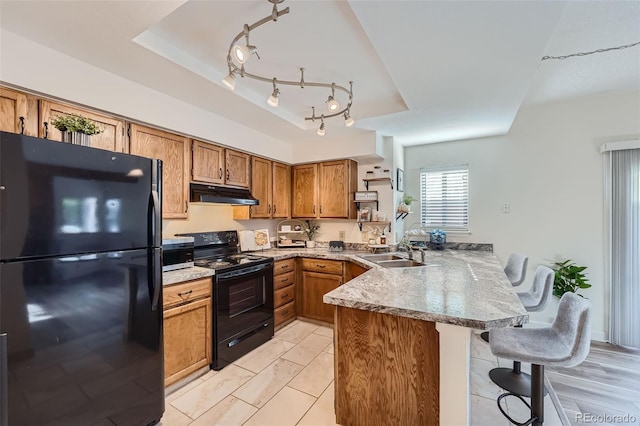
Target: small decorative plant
[(403, 207), (75, 123), (569, 277), (311, 229), (407, 199)]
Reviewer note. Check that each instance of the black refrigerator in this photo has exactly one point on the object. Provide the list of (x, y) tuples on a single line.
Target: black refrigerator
[(80, 285)]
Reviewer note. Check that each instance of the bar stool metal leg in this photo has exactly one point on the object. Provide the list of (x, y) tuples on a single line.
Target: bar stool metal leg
[(538, 391)]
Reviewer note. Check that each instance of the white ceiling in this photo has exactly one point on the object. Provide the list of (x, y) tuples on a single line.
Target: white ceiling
[(423, 71)]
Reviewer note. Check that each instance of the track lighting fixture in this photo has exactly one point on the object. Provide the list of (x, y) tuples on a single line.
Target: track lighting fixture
[(348, 121), (273, 99), (230, 81), (320, 131), (239, 54)]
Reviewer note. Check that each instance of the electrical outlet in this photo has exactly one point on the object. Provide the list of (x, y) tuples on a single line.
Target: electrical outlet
[(341, 235), (506, 208)]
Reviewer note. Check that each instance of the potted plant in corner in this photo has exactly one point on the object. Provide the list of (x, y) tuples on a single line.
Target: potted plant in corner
[(569, 277), (310, 229), (75, 128)]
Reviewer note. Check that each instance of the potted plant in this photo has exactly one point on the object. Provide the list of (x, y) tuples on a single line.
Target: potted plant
[(569, 277), (403, 207), (75, 128), (311, 229)]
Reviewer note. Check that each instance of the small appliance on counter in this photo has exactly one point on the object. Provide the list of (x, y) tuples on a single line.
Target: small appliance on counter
[(177, 253)]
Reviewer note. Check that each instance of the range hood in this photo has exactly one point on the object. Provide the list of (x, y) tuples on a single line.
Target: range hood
[(221, 195)]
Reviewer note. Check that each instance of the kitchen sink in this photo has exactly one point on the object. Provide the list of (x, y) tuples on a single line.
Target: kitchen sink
[(375, 258), (399, 263)]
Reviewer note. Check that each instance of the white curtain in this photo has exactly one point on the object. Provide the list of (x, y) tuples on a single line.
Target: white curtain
[(623, 188)]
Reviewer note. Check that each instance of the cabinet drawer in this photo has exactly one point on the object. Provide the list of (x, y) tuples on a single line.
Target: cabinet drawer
[(283, 295), (322, 265), (284, 266), (280, 281), (185, 292), (284, 313)]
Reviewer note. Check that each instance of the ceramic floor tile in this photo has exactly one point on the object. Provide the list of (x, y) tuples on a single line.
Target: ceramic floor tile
[(324, 331), (174, 417), (298, 331), (316, 376), (177, 393), (321, 413), (286, 408), (484, 412), (307, 349), (264, 355), (481, 384), (229, 412), (210, 374), (207, 394), (329, 349), (480, 348), (285, 328), (268, 382)]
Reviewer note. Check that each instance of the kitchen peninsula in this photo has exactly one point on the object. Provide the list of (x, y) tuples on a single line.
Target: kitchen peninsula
[(402, 337)]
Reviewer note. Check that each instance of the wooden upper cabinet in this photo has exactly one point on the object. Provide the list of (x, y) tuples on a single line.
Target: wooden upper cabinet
[(261, 181), (207, 162), (173, 150), (325, 190), (304, 192), (337, 184), (281, 191), (18, 112), (111, 138), (237, 168)]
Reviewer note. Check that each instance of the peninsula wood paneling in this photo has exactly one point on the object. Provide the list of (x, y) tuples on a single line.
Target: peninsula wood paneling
[(304, 191), (387, 369), (111, 138), (173, 150)]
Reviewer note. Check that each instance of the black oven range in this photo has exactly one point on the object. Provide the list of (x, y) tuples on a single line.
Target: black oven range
[(242, 295)]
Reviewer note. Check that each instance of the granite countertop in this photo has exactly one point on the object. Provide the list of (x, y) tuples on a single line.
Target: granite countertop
[(466, 288), (460, 287)]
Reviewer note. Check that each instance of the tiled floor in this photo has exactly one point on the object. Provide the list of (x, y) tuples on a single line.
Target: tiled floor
[(289, 381)]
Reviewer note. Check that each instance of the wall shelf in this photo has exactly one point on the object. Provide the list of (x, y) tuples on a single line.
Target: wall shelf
[(381, 179), (366, 201), (402, 215), (383, 224)]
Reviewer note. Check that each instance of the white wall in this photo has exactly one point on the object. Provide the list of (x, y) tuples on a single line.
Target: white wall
[(38, 68), (549, 169)]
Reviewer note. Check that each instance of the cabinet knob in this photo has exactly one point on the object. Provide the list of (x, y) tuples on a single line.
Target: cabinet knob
[(314, 209), (220, 177), (320, 208), (228, 174), (320, 266), (285, 295), (185, 293), (285, 280)]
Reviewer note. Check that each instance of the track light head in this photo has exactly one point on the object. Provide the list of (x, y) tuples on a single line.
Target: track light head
[(242, 53), (229, 81), (348, 121), (320, 131), (273, 99), (332, 104)]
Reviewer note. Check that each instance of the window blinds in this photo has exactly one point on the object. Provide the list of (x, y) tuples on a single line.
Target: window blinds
[(444, 198)]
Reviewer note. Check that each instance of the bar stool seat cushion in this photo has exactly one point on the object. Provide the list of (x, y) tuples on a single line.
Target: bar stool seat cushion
[(565, 343)]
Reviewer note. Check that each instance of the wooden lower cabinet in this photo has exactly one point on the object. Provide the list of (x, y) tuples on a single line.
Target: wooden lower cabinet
[(319, 277), (284, 292), (187, 329)]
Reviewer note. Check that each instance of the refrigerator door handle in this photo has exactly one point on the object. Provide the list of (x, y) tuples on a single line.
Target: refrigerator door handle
[(155, 226), (157, 279), (4, 389)]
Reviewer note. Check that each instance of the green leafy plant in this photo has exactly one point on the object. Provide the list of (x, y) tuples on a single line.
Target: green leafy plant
[(407, 199), (569, 277), (311, 229), (75, 123)]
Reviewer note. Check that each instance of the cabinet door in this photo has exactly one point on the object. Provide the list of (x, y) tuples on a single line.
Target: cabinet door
[(281, 191), (207, 162), (237, 168), (18, 112), (261, 187), (314, 286), (187, 339), (304, 191), (111, 138), (173, 150), (335, 189)]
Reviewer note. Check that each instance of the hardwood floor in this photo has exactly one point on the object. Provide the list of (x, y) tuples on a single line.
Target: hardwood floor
[(604, 389)]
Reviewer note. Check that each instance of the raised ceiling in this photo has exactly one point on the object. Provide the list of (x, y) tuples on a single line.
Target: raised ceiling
[(423, 71)]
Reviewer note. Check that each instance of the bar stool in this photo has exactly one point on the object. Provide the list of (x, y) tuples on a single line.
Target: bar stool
[(534, 300), (563, 344), (516, 269)]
